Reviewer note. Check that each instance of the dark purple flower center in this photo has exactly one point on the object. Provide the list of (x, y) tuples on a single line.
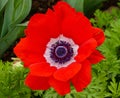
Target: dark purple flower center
[(61, 52)]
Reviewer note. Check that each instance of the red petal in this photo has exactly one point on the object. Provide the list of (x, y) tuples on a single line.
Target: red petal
[(77, 25), (63, 9), (42, 69), (61, 87), (98, 34), (41, 26), (29, 51), (73, 23), (37, 83), (86, 49), (83, 78), (66, 73), (96, 57)]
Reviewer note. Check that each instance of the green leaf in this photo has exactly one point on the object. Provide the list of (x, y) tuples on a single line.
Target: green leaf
[(68, 96), (91, 5), (9, 38), (15, 12), (12, 81), (9, 9), (22, 9), (86, 6), (113, 86), (118, 89), (23, 24), (2, 4), (77, 4), (1, 21)]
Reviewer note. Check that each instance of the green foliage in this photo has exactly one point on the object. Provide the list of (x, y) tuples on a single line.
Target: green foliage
[(104, 19), (86, 6), (12, 12), (77, 4), (114, 88), (12, 81), (2, 4), (91, 5)]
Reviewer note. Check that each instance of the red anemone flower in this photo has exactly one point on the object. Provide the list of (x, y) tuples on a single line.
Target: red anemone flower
[(59, 48)]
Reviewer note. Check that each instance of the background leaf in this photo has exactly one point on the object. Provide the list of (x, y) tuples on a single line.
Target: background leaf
[(91, 5), (12, 81), (15, 12), (86, 6), (2, 4), (9, 38), (9, 9), (77, 4), (1, 21)]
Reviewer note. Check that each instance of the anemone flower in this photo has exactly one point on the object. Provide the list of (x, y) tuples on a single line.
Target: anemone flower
[(59, 48)]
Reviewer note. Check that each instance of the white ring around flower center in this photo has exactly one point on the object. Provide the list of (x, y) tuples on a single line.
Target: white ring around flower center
[(49, 47)]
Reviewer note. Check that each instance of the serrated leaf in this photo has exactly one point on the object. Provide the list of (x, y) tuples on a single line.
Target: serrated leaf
[(12, 82), (113, 86), (119, 88), (68, 96)]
